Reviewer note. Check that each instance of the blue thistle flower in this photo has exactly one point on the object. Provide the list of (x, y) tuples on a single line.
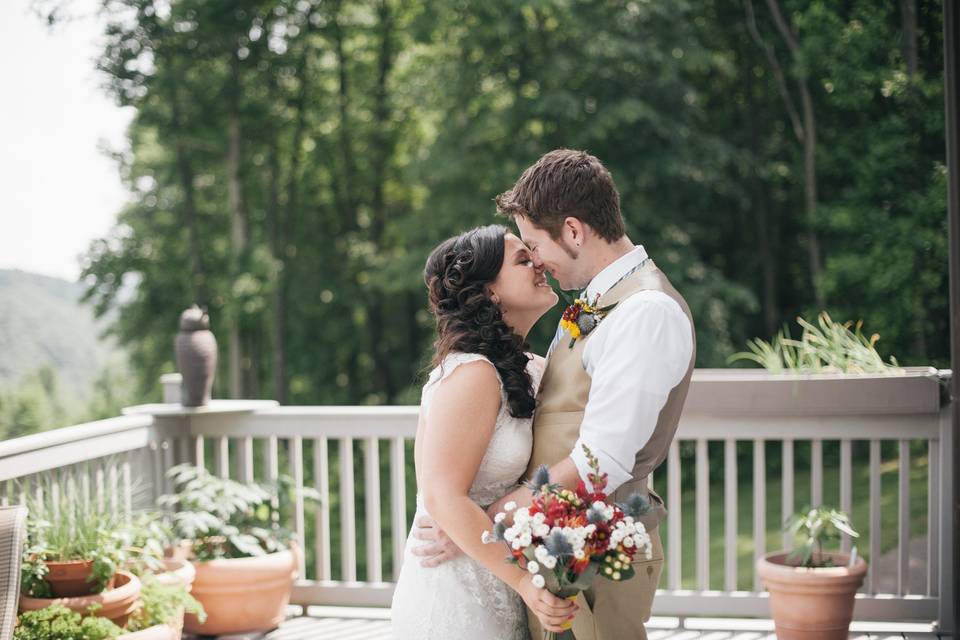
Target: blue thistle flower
[(635, 506), (557, 545), (539, 478), (595, 516)]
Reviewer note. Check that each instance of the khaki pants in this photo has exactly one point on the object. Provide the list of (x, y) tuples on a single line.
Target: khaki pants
[(616, 610)]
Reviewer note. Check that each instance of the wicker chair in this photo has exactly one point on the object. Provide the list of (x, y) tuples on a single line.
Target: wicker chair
[(13, 535)]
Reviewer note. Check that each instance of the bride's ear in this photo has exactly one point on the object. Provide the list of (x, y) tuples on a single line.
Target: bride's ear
[(494, 297)]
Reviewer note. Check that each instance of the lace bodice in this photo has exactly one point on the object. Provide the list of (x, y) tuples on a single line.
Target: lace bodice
[(509, 450)]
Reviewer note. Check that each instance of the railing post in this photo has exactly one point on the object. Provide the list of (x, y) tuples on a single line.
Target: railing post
[(948, 535), (171, 387)]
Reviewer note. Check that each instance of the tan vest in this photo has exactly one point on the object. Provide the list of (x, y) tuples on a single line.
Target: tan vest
[(565, 390)]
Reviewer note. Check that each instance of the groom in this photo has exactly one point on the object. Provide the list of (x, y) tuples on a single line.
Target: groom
[(619, 388)]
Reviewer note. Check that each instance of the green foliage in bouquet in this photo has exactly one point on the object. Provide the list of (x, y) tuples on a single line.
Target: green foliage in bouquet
[(59, 623), (828, 347), (223, 518), (812, 530)]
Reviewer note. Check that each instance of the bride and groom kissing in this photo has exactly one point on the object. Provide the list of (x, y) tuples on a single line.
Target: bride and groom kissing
[(491, 412)]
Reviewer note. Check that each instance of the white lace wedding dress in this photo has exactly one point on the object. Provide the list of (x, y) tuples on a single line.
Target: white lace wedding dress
[(460, 599)]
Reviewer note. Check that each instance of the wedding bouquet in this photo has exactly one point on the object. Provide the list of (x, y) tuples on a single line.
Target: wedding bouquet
[(568, 538)]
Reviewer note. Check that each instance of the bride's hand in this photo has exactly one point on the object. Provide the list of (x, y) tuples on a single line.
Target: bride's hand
[(549, 609), (437, 548)]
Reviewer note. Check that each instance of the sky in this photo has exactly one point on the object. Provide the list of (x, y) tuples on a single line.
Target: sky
[(58, 190)]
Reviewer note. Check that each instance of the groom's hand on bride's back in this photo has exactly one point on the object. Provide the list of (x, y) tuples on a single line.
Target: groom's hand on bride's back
[(435, 546)]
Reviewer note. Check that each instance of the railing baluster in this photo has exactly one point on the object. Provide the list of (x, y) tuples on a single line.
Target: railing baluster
[(816, 472), (348, 538), (271, 460), (903, 537), (730, 514), (321, 480), (101, 487), (198, 454), (787, 498), (846, 487), (183, 444), (703, 516), (114, 478), (246, 459), (371, 491), (85, 484), (759, 506), (4, 493), (398, 503), (933, 526), (127, 482), (54, 480), (168, 463), (221, 457), (875, 531), (299, 526), (673, 516)]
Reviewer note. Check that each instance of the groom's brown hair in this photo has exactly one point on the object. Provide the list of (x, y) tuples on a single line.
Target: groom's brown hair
[(566, 183)]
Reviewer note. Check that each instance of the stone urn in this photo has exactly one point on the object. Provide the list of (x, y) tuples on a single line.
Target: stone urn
[(196, 349)]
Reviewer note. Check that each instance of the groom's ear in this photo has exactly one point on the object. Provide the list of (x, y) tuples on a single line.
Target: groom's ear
[(573, 230)]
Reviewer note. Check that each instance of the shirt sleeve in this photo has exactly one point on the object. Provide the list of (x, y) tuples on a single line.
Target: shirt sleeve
[(635, 359)]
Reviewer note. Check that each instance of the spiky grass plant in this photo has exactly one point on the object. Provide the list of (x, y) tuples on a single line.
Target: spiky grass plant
[(827, 347)]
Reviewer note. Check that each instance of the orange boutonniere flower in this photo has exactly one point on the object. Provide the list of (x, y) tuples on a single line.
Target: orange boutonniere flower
[(580, 318)]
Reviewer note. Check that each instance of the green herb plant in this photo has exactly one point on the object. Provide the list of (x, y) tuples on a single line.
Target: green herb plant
[(827, 347), (814, 529), (59, 623), (223, 518), (163, 604)]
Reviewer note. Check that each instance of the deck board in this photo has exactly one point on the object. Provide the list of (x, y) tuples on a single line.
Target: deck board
[(337, 623)]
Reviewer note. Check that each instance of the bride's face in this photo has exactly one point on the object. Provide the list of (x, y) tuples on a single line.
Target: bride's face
[(521, 287)]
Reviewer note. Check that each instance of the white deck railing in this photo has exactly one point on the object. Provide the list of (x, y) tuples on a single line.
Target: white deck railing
[(120, 464)]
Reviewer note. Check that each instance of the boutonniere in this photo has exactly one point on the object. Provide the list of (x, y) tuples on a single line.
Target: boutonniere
[(580, 317)]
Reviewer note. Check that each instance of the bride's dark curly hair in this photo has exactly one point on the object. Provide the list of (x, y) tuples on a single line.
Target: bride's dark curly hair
[(457, 274)]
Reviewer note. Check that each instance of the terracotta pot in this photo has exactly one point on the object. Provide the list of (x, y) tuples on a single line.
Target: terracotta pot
[(177, 572), (242, 594), (156, 632), (69, 578), (116, 604), (811, 604)]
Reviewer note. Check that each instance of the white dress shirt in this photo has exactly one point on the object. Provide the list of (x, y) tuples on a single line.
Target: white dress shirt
[(634, 357)]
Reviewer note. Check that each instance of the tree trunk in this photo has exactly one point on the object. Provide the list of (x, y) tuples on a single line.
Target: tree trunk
[(198, 288), (383, 142), (809, 140), (238, 222), (274, 224), (908, 18)]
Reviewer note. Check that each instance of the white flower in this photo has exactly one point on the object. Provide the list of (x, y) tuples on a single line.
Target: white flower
[(485, 537), (533, 567), (540, 552), (549, 562), (510, 506), (538, 581), (499, 517)]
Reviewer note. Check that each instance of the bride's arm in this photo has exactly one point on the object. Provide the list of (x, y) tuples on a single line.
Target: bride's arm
[(459, 425)]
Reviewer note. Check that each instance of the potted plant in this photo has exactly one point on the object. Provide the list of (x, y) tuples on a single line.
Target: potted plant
[(162, 607), (245, 562), (57, 622), (74, 556), (812, 590)]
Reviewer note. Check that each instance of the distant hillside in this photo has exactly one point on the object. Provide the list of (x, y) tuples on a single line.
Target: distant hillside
[(43, 323)]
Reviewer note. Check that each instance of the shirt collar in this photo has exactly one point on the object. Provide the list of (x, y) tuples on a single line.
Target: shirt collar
[(614, 272)]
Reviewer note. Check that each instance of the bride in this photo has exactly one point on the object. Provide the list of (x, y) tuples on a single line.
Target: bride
[(474, 440)]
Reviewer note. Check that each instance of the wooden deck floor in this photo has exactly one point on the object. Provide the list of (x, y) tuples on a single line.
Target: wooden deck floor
[(339, 623)]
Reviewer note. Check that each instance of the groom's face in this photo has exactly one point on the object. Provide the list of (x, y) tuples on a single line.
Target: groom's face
[(557, 257)]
